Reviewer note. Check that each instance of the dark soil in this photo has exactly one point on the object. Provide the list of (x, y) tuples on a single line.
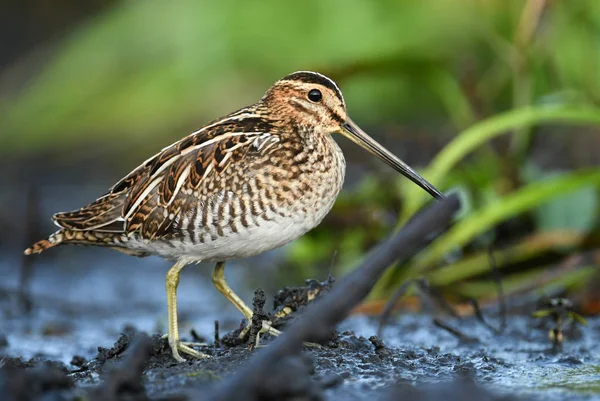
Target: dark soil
[(139, 367), (413, 360)]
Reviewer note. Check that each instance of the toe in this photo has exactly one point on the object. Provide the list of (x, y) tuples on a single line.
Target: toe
[(178, 357), (192, 344), (192, 352)]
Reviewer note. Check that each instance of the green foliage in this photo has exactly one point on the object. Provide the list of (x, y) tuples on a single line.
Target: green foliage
[(480, 134), (143, 73), (145, 68), (522, 200), (576, 210)]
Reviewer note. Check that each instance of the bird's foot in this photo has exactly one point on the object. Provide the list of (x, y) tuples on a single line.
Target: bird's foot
[(193, 344), (268, 328), (186, 348)]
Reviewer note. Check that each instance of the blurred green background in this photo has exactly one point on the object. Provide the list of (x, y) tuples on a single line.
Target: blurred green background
[(496, 99)]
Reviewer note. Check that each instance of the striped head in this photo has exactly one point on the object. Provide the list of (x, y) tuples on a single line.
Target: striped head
[(308, 98), (311, 99)]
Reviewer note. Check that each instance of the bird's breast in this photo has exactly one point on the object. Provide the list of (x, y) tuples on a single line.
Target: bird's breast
[(262, 206)]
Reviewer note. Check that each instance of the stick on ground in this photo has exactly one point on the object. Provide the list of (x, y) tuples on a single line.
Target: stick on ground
[(322, 316)]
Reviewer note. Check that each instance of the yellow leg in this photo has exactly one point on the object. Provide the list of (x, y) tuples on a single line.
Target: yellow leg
[(218, 279), (176, 345)]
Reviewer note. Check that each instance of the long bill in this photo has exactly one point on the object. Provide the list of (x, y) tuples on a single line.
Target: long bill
[(359, 137)]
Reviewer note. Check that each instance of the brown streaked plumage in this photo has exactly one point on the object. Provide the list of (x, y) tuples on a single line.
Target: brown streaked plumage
[(246, 183)]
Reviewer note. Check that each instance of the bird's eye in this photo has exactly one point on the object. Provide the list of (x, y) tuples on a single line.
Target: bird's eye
[(315, 95)]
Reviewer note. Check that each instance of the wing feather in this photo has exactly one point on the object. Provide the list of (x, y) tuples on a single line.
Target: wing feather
[(147, 199), (180, 185)]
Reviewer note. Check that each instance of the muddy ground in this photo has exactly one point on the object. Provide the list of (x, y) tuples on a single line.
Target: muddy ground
[(62, 350)]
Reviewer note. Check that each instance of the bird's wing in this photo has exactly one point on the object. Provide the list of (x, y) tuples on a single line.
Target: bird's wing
[(148, 198), (100, 214)]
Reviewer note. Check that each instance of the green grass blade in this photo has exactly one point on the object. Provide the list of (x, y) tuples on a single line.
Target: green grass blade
[(484, 131), (525, 249), (520, 201), (516, 283)]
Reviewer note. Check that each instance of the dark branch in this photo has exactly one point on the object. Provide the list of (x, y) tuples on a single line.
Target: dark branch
[(322, 316)]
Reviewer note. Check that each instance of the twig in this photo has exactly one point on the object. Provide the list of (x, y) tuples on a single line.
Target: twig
[(455, 332), (217, 339), (481, 318), (196, 337), (434, 295), (390, 305), (323, 315)]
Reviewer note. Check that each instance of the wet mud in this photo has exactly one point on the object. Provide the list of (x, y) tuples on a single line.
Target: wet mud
[(413, 360)]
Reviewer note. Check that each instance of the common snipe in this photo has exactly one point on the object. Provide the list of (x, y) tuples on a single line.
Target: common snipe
[(244, 184)]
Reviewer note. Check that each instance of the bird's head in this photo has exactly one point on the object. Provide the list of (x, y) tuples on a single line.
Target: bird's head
[(311, 99)]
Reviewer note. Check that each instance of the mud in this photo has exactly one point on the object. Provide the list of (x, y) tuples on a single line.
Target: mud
[(139, 367), (413, 359)]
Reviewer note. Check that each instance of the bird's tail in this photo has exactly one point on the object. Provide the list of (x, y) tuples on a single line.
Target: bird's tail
[(53, 240), (66, 236)]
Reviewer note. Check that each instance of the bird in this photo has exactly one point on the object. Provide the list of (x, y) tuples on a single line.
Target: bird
[(246, 183)]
